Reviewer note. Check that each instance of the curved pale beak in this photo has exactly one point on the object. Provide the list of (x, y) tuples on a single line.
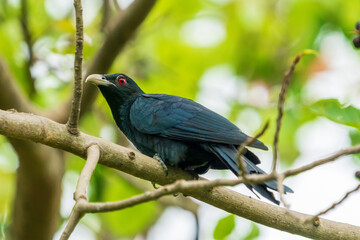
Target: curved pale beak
[(98, 79)]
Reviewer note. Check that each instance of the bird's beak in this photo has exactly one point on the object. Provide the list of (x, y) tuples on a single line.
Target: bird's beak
[(98, 79)]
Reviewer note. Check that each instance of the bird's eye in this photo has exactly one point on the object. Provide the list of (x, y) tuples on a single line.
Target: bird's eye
[(121, 81)]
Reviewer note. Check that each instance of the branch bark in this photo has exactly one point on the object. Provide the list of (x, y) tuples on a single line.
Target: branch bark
[(93, 154), (40, 129), (282, 95), (11, 96), (74, 116)]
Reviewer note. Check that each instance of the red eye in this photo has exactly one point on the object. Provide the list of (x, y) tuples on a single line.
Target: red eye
[(121, 81)]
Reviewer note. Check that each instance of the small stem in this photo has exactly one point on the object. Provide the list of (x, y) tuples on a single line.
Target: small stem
[(281, 102), (93, 155), (316, 217), (72, 124)]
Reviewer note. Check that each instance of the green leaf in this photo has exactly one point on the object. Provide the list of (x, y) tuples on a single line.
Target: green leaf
[(355, 139), (254, 232), (333, 110), (224, 227)]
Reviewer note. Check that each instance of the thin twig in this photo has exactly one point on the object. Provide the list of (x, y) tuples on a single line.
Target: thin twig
[(281, 102), (72, 124), (178, 186), (343, 152), (24, 20), (71, 224), (93, 155), (180, 201), (242, 147), (280, 186), (315, 218)]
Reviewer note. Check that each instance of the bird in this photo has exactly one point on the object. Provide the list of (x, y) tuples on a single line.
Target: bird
[(179, 132)]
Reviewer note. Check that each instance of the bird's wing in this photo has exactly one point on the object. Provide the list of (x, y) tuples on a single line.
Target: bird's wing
[(182, 119)]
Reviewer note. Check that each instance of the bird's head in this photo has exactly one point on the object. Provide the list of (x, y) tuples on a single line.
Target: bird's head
[(115, 87)]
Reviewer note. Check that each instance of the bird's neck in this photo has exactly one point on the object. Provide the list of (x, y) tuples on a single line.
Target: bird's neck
[(120, 105), (121, 114)]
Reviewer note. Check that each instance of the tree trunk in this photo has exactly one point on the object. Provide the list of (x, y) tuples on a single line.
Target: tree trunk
[(38, 191)]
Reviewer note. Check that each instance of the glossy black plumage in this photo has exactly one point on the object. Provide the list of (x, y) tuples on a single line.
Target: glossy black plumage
[(182, 132)]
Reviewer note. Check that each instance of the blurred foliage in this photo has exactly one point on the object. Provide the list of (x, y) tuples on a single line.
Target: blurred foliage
[(333, 110), (224, 227), (355, 139), (253, 233), (135, 219), (176, 47)]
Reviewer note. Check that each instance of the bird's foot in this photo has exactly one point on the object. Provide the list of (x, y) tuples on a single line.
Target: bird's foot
[(194, 175), (154, 185), (158, 158)]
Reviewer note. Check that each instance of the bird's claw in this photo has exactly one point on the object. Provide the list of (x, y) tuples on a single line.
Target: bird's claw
[(159, 159), (154, 185), (194, 175)]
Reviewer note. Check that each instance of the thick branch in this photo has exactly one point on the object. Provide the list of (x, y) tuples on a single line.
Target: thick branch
[(11, 96), (74, 116), (39, 129), (124, 26)]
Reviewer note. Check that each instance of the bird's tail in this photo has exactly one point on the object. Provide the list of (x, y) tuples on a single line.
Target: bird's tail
[(227, 154)]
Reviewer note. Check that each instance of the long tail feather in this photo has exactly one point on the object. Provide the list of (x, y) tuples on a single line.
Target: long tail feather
[(227, 154)]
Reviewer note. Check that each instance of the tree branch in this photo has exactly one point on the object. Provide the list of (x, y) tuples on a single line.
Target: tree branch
[(242, 147), (281, 102), (11, 96), (180, 201), (93, 154), (74, 116), (29, 42), (315, 219), (40, 129)]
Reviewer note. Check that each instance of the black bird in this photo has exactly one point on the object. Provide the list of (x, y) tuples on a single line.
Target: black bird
[(177, 131)]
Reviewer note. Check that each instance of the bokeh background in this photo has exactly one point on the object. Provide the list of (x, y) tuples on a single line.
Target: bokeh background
[(229, 55)]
